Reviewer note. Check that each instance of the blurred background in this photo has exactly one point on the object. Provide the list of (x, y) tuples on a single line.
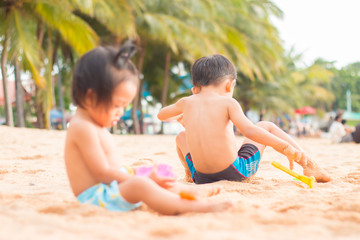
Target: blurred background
[(41, 40)]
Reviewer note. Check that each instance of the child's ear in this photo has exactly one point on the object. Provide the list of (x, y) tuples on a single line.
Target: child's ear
[(90, 98), (195, 90), (230, 84)]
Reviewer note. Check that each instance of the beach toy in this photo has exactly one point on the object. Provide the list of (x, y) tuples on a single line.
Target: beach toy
[(187, 196), (307, 180), (163, 170), (144, 171)]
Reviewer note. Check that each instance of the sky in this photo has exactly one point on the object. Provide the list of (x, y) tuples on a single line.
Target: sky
[(329, 29)]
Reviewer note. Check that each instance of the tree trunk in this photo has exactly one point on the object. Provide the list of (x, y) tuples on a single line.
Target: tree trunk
[(165, 85), (141, 119), (7, 100), (39, 107), (137, 100), (39, 92), (20, 119), (61, 99), (48, 103)]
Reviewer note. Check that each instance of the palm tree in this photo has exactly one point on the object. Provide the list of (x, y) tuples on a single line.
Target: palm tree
[(169, 22), (27, 23), (7, 101), (20, 118)]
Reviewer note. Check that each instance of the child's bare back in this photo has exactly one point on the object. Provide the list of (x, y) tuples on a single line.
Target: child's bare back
[(210, 134)]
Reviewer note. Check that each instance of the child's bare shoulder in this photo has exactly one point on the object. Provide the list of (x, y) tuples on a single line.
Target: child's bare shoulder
[(80, 128), (228, 100), (184, 100), (231, 104)]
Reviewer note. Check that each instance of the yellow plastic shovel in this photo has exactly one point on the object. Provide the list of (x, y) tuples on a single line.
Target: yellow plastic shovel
[(307, 180)]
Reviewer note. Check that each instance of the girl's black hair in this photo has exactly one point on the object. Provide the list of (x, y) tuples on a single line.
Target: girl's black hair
[(101, 70), (212, 70)]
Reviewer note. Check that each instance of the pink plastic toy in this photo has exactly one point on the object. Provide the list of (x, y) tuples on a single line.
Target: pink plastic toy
[(163, 170)]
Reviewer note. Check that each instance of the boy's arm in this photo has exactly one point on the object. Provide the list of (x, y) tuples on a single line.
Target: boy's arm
[(172, 111), (258, 134), (88, 143), (252, 131)]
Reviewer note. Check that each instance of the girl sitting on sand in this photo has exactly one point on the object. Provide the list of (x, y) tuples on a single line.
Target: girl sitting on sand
[(105, 81)]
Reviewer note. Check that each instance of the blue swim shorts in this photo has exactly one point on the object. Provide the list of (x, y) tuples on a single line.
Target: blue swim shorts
[(245, 166), (107, 196)]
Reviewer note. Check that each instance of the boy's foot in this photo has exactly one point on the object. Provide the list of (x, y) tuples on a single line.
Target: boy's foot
[(188, 177), (312, 169)]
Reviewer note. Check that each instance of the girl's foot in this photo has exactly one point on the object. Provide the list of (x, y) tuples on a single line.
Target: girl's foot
[(214, 207)]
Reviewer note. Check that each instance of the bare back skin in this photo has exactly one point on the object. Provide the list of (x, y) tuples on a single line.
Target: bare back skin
[(212, 148)]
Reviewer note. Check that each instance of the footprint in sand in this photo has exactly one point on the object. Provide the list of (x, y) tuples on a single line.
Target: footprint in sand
[(284, 209), (33, 171), (34, 157), (142, 161), (60, 209), (160, 153), (167, 232), (353, 177)]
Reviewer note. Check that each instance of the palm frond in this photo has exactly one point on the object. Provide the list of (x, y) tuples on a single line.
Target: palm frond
[(75, 31)]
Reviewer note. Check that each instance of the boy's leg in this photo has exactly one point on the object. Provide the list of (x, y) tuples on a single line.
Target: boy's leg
[(309, 166), (182, 149), (162, 200)]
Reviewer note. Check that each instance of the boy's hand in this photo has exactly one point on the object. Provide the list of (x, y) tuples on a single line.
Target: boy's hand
[(294, 154)]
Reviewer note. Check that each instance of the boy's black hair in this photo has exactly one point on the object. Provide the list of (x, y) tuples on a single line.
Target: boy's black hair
[(101, 70), (212, 70)]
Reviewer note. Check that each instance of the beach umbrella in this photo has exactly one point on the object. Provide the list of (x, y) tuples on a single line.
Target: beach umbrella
[(305, 110)]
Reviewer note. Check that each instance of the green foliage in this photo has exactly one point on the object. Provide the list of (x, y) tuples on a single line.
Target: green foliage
[(346, 78), (188, 29)]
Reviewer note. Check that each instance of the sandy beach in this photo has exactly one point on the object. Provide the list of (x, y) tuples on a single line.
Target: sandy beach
[(36, 201)]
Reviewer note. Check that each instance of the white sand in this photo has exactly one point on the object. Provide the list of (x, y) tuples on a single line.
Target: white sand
[(36, 201)]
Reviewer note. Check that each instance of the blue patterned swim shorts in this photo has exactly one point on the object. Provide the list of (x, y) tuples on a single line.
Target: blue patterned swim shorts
[(107, 196)]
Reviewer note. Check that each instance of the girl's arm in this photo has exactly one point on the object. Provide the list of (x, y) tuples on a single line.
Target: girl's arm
[(171, 112), (87, 141)]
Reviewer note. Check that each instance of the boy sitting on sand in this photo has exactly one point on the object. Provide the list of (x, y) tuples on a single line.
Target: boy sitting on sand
[(104, 83), (207, 148)]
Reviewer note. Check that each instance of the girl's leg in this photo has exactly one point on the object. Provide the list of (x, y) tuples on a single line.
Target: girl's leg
[(138, 189), (182, 149)]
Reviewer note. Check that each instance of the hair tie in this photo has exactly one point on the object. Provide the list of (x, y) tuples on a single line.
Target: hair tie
[(126, 51)]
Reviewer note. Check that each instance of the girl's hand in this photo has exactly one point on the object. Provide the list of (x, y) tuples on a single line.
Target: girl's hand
[(164, 181), (162, 174)]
